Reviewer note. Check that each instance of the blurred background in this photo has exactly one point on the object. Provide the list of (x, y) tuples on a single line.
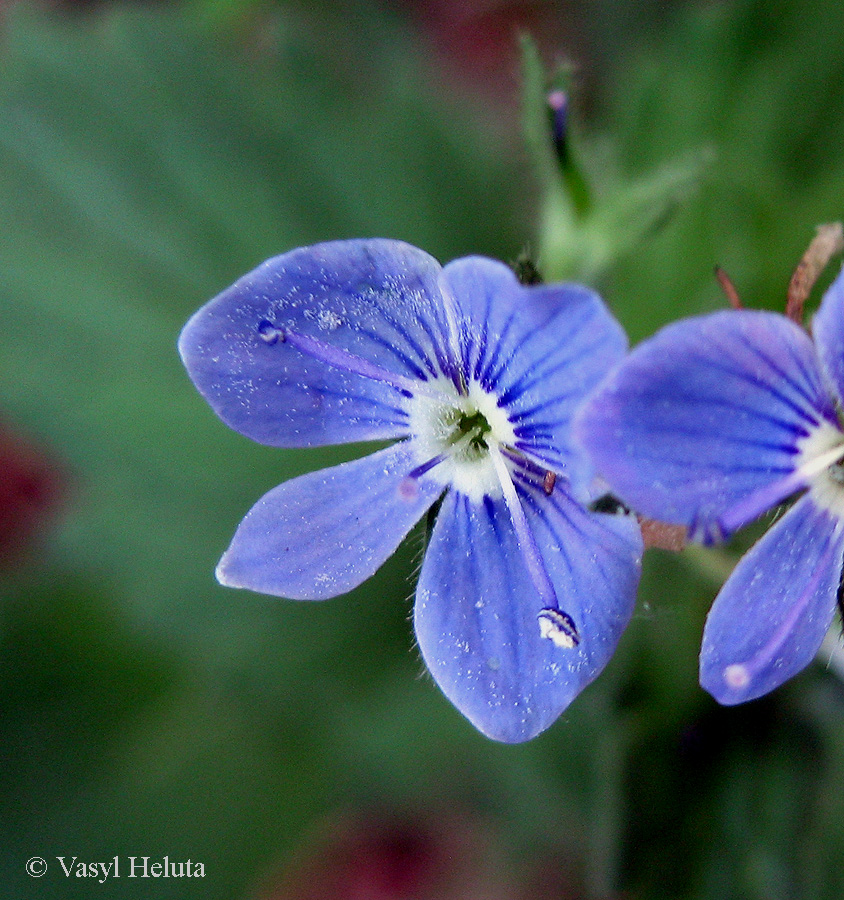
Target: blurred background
[(152, 153)]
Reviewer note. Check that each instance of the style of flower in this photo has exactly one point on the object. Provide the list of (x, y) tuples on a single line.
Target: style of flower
[(523, 592), (710, 423)]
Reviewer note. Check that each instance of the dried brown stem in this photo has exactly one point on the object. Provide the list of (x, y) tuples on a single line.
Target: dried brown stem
[(663, 536), (728, 288), (827, 242)]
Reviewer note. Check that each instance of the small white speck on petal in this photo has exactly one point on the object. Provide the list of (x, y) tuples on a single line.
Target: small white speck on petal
[(737, 676)]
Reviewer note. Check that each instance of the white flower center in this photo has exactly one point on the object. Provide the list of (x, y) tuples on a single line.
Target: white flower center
[(460, 430), (821, 461)]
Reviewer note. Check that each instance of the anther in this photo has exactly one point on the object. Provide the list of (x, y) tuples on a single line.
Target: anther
[(270, 333), (408, 488), (559, 627), (548, 483)]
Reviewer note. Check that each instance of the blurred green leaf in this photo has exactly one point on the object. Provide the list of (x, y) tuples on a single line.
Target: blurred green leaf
[(762, 85)]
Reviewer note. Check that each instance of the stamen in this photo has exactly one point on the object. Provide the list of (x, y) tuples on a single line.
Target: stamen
[(341, 359), (750, 508), (823, 461), (553, 622), (558, 104), (426, 466), (409, 485), (530, 472)]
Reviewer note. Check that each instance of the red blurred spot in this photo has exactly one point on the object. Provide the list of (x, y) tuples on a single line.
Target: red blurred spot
[(423, 857), (386, 858), (479, 40), (31, 485)]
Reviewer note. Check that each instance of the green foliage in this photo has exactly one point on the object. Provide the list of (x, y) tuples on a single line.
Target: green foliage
[(591, 220), (760, 84)]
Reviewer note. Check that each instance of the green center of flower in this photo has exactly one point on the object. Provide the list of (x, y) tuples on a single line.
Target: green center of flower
[(460, 431), (471, 429)]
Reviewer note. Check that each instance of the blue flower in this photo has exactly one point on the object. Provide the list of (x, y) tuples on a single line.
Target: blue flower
[(523, 592), (710, 423)]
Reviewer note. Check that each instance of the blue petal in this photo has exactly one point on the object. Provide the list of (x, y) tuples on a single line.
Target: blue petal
[(705, 416), (376, 299), (324, 533), (540, 349), (476, 608), (828, 331), (772, 614)]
